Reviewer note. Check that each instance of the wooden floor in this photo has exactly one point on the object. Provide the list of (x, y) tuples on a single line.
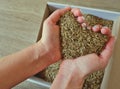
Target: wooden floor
[(20, 20)]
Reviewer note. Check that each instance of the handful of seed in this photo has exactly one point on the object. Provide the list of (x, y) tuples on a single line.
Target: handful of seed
[(78, 41)]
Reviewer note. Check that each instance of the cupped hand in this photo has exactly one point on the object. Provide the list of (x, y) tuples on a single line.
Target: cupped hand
[(72, 73), (92, 62), (50, 34)]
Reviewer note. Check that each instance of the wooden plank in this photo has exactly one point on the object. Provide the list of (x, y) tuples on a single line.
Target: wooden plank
[(19, 24)]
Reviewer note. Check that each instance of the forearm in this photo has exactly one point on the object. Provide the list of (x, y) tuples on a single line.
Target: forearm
[(21, 65)]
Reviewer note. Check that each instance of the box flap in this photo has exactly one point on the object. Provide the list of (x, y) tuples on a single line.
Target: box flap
[(112, 75)]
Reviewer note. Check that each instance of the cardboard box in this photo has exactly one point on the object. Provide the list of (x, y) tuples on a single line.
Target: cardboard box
[(111, 78)]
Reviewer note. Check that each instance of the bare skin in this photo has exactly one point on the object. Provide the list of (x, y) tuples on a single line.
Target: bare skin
[(23, 64), (73, 72)]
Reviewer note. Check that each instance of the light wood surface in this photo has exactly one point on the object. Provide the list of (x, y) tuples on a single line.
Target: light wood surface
[(19, 24)]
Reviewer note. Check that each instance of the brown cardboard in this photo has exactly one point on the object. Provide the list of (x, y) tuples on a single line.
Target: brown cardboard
[(111, 78), (109, 81), (114, 79)]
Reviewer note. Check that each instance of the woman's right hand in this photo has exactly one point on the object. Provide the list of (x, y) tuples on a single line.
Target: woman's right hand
[(72, 73)]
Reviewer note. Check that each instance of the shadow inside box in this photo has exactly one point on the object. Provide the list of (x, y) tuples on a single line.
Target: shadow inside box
[(27, 84)]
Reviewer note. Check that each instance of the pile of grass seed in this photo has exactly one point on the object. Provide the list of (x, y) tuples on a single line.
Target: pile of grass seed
[(78, 41)]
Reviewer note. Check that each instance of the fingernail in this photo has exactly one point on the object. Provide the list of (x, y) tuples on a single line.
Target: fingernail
[(103, 31), (83, 17), (95, 28), (80, 19), (84, 25)]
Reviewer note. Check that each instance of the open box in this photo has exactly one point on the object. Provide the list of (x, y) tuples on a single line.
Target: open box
[(111, 78)]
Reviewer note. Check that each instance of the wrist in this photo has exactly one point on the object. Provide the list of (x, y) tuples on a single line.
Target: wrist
[(68, 77), (53, 51), (38, 58), (81, 67), (41, 53), (44, 53)]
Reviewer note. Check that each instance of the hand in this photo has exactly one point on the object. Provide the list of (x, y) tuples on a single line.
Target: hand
[(50, 36), (73, 72)]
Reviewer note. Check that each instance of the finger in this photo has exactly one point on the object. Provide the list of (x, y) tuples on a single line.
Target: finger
[(80, 19), (76, 12), (55, 16), (107, 52), (89, 27), (106, 30), (96, 28), (84, 25)]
